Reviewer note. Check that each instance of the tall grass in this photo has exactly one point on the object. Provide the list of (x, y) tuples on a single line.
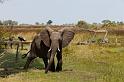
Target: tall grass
[(81, 63)]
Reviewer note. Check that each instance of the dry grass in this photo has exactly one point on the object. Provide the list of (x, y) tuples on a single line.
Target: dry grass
[(81, 63)]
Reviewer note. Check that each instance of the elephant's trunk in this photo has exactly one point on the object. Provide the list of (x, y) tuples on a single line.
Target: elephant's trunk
[(53, 51)]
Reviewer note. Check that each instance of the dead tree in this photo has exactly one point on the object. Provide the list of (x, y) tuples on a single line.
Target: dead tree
[(102, 40), (17, 52), (21, 39)]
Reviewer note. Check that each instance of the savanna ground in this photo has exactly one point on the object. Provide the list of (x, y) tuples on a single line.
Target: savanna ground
[(81, 63)]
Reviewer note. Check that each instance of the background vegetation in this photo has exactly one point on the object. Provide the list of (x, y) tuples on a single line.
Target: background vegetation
[(81, 63)]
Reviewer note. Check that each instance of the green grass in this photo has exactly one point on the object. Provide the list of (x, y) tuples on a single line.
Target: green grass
[(81, 63)]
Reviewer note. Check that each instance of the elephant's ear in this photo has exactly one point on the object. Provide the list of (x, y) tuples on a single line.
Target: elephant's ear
[(67, 36), (45, 36)]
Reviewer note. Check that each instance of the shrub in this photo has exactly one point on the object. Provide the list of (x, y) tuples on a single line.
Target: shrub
[(82, 24)]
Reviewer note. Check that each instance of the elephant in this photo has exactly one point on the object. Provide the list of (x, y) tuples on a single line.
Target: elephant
[(47, 44)]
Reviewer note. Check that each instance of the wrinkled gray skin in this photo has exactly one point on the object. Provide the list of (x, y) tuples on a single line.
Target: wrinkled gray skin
[(46, 44)]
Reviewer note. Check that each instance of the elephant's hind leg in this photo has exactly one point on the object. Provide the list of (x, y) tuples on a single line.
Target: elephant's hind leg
[(28, 62)]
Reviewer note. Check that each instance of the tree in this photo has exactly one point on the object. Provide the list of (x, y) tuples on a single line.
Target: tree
[(14, 23), (82, 24), (1, 22), (7, 22), (108, 23), (37, 23), (120, 23), (42, 24), (49, 22), (10, 22), (94, 25)]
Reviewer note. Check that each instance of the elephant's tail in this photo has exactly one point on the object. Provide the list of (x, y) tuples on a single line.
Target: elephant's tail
[(25, 55)]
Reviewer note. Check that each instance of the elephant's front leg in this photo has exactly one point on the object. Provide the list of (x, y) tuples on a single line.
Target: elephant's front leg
[(59, 58), (45, 60), (52, 67)]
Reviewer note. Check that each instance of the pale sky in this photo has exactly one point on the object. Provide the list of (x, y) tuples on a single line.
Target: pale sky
[(62, 11)]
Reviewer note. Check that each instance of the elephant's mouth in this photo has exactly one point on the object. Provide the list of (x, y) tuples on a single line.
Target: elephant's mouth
[(49, 50), (58, 49)]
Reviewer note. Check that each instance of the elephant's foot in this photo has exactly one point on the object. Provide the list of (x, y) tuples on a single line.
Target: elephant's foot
[(25, 67), (52, 68), (58, 68), (27, 63)]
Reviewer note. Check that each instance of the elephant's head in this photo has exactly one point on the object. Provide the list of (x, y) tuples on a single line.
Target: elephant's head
[(56, 41)]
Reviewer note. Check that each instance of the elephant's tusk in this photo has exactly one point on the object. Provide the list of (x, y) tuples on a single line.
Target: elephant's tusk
[(49, 50), (58, 49)]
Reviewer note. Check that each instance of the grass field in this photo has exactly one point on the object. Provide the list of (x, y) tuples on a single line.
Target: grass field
[(81, 63)]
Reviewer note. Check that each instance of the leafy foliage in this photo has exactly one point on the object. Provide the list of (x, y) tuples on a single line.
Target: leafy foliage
[(49, 22), (1, 22), (82, 24), (81, 63), (37, 23), (108, 23), (10, 22)]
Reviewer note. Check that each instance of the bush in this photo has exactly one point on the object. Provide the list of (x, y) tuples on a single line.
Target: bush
[(4, 33), (82, 24)]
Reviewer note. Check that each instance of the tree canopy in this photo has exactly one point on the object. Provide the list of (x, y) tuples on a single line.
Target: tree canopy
[(49, 22), (82, 24)]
